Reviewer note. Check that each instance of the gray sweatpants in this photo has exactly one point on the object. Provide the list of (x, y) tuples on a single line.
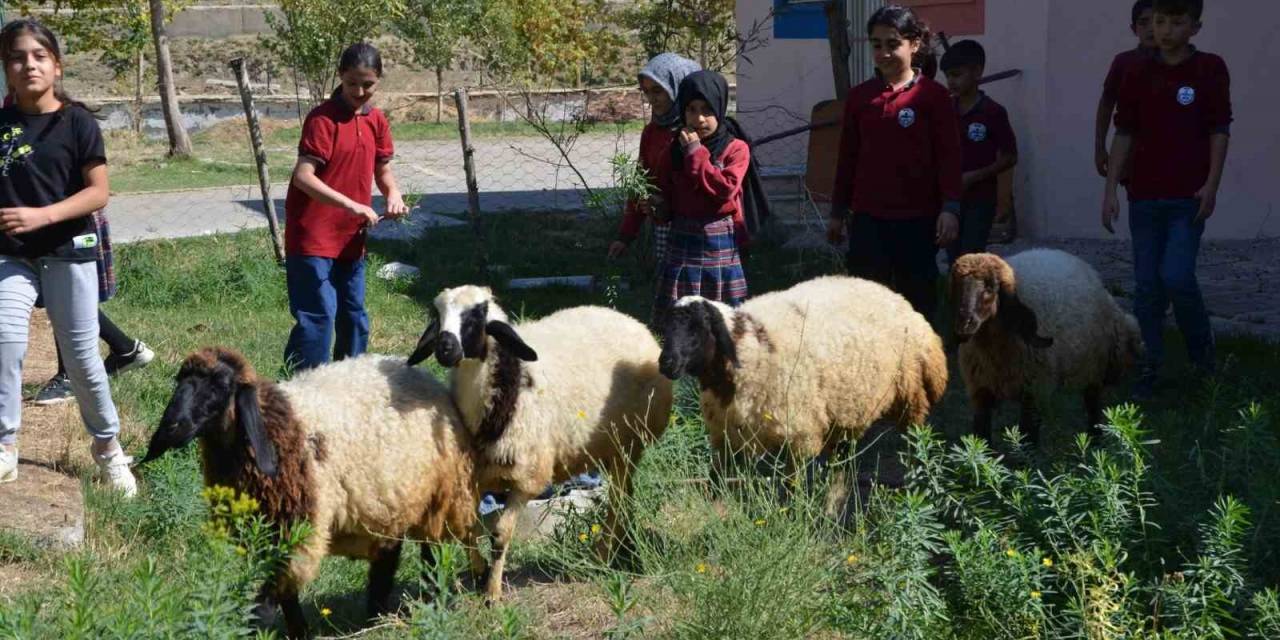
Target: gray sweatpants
[(70, 292)]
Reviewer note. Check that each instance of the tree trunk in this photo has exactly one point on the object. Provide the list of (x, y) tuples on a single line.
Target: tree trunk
[(137, 92), (838, 39), (439, 92), (179, 142)]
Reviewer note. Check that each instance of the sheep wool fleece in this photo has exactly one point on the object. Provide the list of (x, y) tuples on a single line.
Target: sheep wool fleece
[(833, 352)]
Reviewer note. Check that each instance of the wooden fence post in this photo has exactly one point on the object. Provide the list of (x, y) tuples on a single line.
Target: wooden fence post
[(473, 189), (259, 155)]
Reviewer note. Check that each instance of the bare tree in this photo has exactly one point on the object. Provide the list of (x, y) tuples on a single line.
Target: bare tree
[(838, 38), (179, 142)]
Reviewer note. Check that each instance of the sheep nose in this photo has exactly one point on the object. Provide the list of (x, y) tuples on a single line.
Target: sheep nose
[(668, 367), (449, 351)]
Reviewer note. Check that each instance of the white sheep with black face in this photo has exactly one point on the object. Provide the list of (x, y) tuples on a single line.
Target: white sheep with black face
[(805, 369), (548, 399)]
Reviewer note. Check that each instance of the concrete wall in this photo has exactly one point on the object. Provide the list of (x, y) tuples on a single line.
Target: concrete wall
[(1063, 48), (221, 21)]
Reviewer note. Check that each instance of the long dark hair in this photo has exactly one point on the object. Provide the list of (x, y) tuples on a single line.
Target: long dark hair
[(26, 26), (360, 55), (911, 27)]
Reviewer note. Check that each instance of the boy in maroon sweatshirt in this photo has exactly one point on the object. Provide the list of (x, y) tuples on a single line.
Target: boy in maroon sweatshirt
[(987, 145), (1173, 116), (1141, 25)]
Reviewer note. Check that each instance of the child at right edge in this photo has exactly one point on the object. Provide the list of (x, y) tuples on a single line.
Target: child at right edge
[(1174, 116)]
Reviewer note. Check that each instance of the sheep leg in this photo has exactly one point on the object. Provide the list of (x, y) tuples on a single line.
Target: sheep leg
[(838, 482), (382, 578), (984, 409), (1030, 421), (502, 534), (427, 552), (272, 595), (1093, 409)]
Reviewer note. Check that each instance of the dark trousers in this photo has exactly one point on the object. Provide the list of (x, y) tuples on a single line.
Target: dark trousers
[(1166, 241), (899, 254), (976, 219), (326, 298)]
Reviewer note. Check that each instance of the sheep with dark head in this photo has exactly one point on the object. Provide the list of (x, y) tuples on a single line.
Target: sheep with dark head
[(806, 369), (368, 451), (1038, 321), (547, 399)]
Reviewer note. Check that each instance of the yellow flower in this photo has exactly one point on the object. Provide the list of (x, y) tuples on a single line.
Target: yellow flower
[(760, 522), (241, 551), (1048, 562), (701, 568), (1035, 595), (1012, 553), (582, 537), (784, 510), (852, 559), (326, 612), (595, 529), (768, 417), (582, 415)]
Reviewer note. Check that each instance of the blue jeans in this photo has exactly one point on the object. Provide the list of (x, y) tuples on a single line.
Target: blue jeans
[(1166, 240), (326, 298), (976, 219)]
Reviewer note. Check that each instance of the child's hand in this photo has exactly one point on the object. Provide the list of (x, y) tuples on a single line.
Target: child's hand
[(396, 208), (948, 229), (1110, 212), (617, 248), (1101, 160), (1208, 198), (687, 137), (23, 219), (363, 211), (835, 230), (968, 179)]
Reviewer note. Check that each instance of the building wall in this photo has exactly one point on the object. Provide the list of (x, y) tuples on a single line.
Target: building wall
[(1063, 48)]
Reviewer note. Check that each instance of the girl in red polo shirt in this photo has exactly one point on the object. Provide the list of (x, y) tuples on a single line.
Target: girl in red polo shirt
[(346, 147), (899, 168)]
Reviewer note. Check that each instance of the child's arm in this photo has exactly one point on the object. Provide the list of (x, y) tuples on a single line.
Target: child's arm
[(846, 167), (386, 181), (1120, 148), (1102, 124), (305, 178), (91, 198), (721, 185), (1208, 194), (1004, 162), (1217, 117), (946, 141)]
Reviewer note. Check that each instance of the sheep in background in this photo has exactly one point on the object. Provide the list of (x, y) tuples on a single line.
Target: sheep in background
[(809, 368), (547, 399), (367, 450), (1040, 319)]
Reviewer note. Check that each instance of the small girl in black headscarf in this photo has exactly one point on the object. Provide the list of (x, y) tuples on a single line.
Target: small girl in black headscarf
[(713, 197)]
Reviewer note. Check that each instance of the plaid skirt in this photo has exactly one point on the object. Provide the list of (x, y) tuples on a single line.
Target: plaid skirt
[(106, 261), (701, 260)]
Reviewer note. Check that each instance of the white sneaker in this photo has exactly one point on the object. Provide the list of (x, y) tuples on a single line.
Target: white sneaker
[(8, 464), (115, 470)]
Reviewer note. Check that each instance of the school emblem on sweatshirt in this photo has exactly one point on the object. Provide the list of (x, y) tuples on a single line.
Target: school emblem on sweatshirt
[(907, 117), (977, 132), (1186, 95)]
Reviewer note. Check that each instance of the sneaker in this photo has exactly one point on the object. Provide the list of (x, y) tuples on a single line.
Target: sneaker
[(139, 357), (56, 391), (8, 464), (116, 473)]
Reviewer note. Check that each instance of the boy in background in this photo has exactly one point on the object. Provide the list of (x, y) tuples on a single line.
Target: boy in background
[(988, 147), (1173, 117), (1140, 24)]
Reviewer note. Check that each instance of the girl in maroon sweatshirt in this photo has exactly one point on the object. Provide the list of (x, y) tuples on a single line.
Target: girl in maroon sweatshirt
[(707, 170), (898, 187)]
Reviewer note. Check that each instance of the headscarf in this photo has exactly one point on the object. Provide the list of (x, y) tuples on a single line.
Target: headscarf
[(668, 70), (712, 88)]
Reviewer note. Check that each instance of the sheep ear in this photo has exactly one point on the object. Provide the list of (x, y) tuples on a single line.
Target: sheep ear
[(249, 419), (1022, 320), (719, 330), (426, 344), (510, 340)]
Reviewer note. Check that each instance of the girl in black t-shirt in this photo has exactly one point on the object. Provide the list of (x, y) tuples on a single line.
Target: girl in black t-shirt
[(53, 176)]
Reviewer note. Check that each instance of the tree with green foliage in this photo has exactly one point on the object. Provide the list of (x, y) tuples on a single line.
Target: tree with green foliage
[(524, 40), (705, 29), (310, 36), (435, 30)]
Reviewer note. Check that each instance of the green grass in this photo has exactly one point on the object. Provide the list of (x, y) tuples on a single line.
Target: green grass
[(1136, 528), (222, 156)]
